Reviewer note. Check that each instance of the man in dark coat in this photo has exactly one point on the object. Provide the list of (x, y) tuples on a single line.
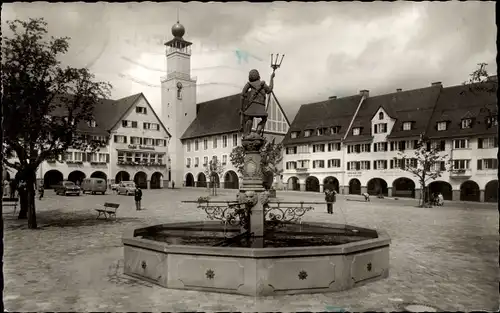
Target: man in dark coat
[(330, 196), (137, 198)]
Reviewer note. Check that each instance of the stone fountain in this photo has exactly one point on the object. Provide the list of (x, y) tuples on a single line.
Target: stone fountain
[(256, 246)]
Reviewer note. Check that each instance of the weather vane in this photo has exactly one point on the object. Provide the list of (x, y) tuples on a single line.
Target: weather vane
[(274, 63)]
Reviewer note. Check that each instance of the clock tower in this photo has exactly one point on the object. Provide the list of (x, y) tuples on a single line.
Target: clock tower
[(178, 99)]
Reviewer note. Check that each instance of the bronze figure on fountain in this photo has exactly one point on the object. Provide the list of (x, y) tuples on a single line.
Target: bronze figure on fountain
[(253, 103)]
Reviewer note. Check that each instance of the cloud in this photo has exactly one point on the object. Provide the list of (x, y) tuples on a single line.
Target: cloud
[(332, 48)]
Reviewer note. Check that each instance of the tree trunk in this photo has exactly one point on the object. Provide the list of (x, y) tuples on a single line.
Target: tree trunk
[(31, 199)]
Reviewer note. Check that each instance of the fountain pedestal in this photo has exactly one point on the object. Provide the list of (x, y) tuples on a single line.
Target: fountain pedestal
[(252, 191)]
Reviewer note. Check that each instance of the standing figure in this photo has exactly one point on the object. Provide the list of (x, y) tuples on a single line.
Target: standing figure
[(253, 102), (173, 184), (137, 198), (41, 190), (330, 200)]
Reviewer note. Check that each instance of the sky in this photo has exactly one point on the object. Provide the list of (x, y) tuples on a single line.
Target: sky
[(331, 48)]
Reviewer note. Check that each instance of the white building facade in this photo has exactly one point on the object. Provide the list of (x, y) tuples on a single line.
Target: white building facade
[(134, 147), (386, 127)]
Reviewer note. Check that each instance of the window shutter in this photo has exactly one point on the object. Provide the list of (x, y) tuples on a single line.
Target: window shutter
[(125, 139), (375, 129), (479, 164), (89, 157), (385, 164), (107, 157), (358, 166), (145, 110), (116, 138), (480, 143), (374, 165), (392, 145), (367, 165), (374, 147), (84, 157), (348, 166)]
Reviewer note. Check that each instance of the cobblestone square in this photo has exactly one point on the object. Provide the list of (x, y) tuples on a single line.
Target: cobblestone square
[(445, 257)]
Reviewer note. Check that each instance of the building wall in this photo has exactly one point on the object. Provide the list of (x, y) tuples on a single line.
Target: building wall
[(344, 176), (109, 164), (220, 152), (128, 147)]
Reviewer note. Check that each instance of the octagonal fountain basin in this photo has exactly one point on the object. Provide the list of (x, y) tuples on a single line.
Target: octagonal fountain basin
[(294, 258)]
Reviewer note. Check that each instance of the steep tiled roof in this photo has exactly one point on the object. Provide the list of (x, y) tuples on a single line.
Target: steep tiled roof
[(218, 116), (215, 117), (332, 112), (458, 102), (107, 113), (405, 106)]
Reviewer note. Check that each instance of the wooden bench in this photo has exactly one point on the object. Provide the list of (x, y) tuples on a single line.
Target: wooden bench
[(109, 210), (10, 202)]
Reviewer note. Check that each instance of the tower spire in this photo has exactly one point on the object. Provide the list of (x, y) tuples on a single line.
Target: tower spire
[(177, 14)]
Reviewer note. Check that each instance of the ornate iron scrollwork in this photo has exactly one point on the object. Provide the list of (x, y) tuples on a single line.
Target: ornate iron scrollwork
[(230, 214), (283, 214)]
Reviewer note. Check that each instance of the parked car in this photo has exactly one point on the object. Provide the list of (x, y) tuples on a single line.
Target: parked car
[(114, 186), (94, 185), (66, 188), (126, 187)]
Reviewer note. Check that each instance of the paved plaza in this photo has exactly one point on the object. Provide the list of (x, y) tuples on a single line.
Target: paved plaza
[(445, 257)]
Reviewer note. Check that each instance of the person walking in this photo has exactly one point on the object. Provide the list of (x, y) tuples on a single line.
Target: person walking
[(330, 196), (173, 184), (137, 198), (41, 190)]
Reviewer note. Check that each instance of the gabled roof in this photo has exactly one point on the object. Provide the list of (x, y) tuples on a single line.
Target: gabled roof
[(218, 116), (108, 113), (405, 106), (329, 113), (458, 102)]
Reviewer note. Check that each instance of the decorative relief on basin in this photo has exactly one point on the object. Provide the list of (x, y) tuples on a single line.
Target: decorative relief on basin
[(315, 273), (368, 265), (302, 275), (200, 272), (149, 264)]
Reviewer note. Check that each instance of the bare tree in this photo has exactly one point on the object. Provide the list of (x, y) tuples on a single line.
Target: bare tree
[(427, 164)]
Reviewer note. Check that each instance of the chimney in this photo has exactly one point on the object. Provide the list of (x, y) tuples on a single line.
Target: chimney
[(332, 97), (437, 84), (399, 90), (364, 93)]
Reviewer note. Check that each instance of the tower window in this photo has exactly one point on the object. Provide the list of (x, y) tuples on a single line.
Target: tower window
[(179, 93), (381, 116)]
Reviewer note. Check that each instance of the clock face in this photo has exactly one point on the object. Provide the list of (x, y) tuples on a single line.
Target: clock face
[(179, 85)]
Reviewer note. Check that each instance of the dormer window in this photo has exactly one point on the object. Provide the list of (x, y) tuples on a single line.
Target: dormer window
[(334, 130), (381, 116), (92, 124), (141, 110), (307, 133), (356, 131), (407, 126), (441, 126), (321, 131), (294, 134), (466, 123)]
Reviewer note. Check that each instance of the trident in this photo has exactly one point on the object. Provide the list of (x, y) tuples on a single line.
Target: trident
[(274, 64)]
